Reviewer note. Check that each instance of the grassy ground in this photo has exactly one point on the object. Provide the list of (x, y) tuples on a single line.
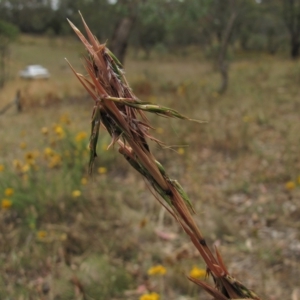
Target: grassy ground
[(65, 234)]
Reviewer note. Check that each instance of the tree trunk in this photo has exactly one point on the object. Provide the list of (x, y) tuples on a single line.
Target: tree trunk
[(222, 64), (291, 16), (295, 47), (120, 37), (223, 68)]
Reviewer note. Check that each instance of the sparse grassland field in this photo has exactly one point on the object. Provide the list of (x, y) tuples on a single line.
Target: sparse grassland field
[(64, 233)]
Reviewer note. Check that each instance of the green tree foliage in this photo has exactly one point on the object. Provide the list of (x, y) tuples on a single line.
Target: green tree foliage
[(150, 27), (32, 16), (259, 27), (185, 20), (100, 14), (265, 25), (8, 32)]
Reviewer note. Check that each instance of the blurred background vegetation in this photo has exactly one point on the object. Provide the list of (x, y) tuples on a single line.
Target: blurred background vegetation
[(67, 235), (218, 28)]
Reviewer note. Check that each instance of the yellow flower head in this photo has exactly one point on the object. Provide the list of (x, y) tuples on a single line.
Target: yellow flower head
[(59, 131), (102, 170), (6, 203), (25, 168), (157, 270), (80, 136), (2, 168), (83, 181), (55, 161), (9, 192), (290, 185), (76, 194), (23, 145), (181, 151), (29, 158), (197, 273), (159, 130), (44, 130), (41, 234), (151, 296), (48, 152)]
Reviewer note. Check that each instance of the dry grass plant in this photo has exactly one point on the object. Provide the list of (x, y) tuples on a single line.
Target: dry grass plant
[(122, 114)]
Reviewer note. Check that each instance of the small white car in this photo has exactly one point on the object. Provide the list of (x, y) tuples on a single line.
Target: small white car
[(34, 72)]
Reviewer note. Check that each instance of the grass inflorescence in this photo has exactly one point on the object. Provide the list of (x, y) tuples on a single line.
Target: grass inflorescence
[(121, 113)]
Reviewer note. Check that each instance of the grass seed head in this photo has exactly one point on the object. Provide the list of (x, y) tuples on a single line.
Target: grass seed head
[(123, 115)]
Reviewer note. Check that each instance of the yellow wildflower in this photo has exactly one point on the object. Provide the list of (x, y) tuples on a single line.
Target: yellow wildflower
[(157, 270), (59, 131), (76, 194), (197, 273), (48, 152), (181, 151), (9, 192), (143, 222), (83, 181), (29, 158), (80, 136), (2, 168), (25, 168), (104, 147), (6, 203), (150, 296), (290, 185), (102, 170), (41, 234), (159, 130), (44, 130), (55, 161), (23, 145)]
